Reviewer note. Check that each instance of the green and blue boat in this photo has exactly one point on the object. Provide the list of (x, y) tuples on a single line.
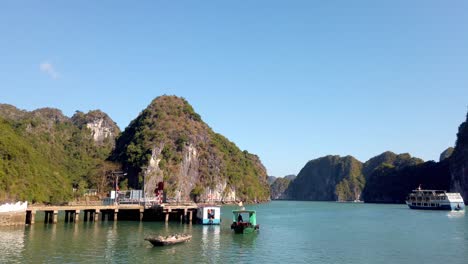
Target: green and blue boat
[(244, 221)]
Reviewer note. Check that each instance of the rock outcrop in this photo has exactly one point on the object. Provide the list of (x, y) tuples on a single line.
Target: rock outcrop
[(446, 154), (279, 187), (328, 178), (271, 179), (459, 162), (103, 128), (389, 158)]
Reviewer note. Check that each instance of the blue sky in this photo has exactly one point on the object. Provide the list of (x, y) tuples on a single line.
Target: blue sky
[(288, 80)]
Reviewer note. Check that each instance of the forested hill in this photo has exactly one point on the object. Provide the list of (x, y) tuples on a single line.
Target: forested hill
[(45, 155), (169, 142)]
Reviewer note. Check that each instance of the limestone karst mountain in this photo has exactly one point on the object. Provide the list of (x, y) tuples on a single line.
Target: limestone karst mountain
[(169, 142)]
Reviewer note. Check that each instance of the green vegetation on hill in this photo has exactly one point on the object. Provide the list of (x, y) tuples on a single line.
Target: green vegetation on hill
[(44, 156)]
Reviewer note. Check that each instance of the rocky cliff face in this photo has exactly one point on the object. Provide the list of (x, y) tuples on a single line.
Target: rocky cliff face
[(459, 162), (103, 128), (168, 142), (329, 178), (10, 112), (271, 179), (278, 188), (446, 154)]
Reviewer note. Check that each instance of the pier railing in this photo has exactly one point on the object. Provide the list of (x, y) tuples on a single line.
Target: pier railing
[(146, 202)]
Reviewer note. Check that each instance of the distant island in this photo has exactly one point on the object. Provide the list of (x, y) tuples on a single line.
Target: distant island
[(386, 178)]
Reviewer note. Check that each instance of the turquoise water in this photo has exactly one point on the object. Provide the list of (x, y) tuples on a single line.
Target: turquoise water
[(290, 232)]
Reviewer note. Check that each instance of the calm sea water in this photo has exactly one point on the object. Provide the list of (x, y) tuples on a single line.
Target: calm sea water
[(290, 232)]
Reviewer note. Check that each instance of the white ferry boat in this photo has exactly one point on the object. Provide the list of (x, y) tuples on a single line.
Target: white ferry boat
[(435, 200)]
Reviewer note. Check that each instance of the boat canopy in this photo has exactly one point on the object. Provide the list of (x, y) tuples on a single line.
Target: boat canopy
[(252, 216)]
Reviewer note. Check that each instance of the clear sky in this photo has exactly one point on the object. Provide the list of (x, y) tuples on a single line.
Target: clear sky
[(288, 80)]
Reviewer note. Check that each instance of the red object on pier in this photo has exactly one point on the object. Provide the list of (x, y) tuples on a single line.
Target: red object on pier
[(160, 186)]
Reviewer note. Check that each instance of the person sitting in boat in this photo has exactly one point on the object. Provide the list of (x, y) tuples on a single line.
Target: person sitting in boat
[(239, 219), (211, 215)]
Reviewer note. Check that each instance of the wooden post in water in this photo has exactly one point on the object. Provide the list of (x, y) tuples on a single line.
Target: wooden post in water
[(48, 219), (190, 216), (30, 216), (77, 216), (96, 215), (185, 216), (55, 217), (33, 217), (116, 212), (142, 212)]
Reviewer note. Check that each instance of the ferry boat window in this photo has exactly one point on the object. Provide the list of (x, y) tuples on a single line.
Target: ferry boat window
[(432, 204), (425, 204)]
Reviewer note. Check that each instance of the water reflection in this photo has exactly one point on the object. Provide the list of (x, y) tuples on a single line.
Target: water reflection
[(111, 240), (210, 242), (456, 214), (244, 244), (11, 244)]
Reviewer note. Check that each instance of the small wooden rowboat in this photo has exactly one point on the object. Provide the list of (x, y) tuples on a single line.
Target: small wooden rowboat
[(168, 240)]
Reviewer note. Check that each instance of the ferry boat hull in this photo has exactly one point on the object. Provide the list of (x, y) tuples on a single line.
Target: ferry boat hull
[(445, 207)]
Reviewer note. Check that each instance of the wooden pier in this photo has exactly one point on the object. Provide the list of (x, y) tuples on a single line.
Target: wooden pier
[(132, 212)]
